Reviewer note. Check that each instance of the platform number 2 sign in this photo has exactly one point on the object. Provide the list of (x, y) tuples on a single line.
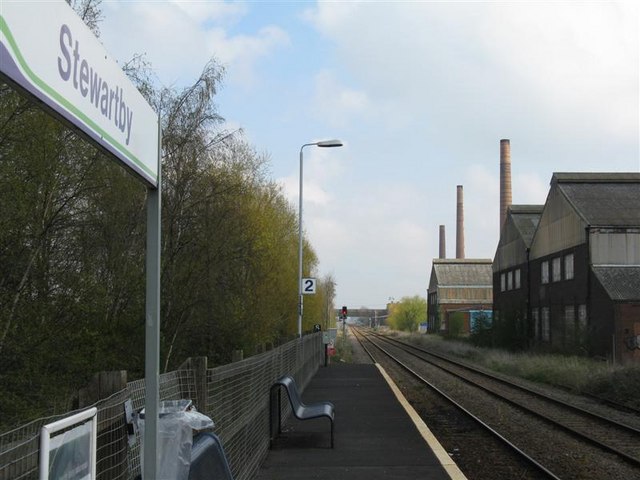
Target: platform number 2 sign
[(308, 286)]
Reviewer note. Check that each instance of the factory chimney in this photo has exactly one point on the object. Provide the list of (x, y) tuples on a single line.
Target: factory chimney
[(505, 179), (443, 245), (460, 225)]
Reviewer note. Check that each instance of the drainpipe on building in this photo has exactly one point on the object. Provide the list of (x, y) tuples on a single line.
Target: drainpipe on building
[(587, 231), (528, 300)]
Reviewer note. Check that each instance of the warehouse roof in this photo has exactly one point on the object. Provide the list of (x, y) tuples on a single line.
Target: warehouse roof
[(622, 283), (465, 272), (602, 199)]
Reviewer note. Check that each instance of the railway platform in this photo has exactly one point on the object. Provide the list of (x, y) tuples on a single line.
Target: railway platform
[(377, 433)]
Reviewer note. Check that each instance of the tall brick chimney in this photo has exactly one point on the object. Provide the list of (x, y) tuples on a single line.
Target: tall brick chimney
[(460, 224), (505, 179), (443, 246)]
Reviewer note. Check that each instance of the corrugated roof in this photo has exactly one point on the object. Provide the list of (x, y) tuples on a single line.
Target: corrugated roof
[(526, 219), (605, 204), (622, 283), (602, 198), (463, 272)]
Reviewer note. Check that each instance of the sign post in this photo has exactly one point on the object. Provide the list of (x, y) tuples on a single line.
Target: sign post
[(48, 52), (152, 322)]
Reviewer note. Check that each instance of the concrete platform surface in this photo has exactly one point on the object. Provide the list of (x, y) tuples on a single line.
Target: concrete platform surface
[(375, 438)]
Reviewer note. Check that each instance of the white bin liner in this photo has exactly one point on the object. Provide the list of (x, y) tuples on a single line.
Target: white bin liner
[(176, 423)]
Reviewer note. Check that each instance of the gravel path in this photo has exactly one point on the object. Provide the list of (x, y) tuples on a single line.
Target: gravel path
[(358, 354)]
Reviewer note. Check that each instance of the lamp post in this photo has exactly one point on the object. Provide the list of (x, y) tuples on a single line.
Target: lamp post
[(325, 144)]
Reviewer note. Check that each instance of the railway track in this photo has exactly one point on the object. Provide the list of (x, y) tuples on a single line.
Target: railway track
[(588, 445)]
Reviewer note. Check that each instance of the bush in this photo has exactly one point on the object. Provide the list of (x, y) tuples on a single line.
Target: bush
[(621, 385), (455, 324)]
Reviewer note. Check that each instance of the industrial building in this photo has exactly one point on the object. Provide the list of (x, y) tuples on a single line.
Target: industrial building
[(460, 291), (565, 276), (579, 277), (511, 276)]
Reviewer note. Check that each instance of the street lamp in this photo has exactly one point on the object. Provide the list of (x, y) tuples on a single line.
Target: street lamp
[(325, 144)]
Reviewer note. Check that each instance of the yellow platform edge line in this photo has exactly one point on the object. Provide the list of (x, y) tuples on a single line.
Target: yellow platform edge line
[(441, 454)]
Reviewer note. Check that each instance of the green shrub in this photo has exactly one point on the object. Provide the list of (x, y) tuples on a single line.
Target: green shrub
[(622, 385), (455, 324)]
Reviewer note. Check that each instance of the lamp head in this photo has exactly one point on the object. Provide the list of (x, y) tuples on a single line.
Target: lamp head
[(329, 143)]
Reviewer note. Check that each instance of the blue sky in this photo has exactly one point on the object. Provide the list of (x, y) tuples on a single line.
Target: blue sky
[(421, 93)]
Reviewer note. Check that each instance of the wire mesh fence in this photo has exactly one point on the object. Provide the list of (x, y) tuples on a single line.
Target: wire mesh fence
[(235, 396)]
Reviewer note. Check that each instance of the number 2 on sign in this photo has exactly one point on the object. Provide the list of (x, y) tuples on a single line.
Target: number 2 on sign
[(308, 286)]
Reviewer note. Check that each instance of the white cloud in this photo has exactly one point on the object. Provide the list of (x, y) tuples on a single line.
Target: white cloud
[(241, 53), (336, 104), (204, 12), (199, 31), (488, 66)]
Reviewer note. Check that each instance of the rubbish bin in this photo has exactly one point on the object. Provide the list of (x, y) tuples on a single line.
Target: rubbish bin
[(177, 419)]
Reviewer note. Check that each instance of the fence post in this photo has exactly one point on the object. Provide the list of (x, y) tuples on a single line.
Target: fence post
[(102, 385), (199, 366)]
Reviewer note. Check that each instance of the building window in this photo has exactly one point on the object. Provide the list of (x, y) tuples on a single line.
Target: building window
[(544, 271), (503, 282), (517, 279), (510, 281), (535, 316), (545, 327), (568, 267), (555, 270)]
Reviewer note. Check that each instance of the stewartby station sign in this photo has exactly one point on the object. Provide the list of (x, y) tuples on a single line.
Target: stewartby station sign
[(47, 52)]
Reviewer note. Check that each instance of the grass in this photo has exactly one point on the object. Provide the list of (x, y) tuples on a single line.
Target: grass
[(617, 383), (344, 352)]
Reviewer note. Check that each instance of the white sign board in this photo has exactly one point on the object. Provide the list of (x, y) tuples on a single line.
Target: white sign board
[(308, 286), (47, 50), (70, 455)]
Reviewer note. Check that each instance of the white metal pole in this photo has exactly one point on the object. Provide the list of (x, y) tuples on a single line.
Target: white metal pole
[(152, 323), (300, 304)]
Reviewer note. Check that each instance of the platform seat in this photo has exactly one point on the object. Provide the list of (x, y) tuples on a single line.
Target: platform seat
[(300, 410)]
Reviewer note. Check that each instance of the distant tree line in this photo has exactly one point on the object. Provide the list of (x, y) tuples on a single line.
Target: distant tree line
[(72, 247), (407, 314)]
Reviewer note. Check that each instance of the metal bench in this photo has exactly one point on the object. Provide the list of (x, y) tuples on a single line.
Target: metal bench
[(300, 410), (208, 461)]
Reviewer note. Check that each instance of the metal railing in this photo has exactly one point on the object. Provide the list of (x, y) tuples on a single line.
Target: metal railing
[(235, 396)]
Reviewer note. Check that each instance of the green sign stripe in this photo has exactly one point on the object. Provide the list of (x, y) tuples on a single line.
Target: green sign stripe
[(60, 99)]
